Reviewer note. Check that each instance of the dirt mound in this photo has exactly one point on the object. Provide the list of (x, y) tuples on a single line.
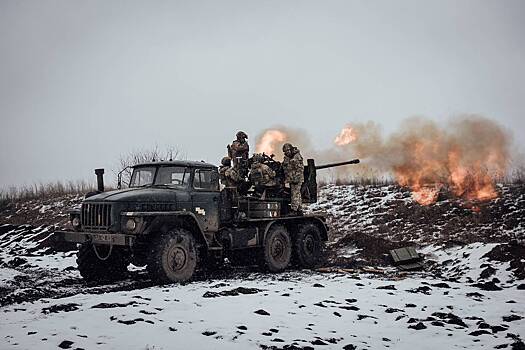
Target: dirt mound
[(512, 253), (372, 250), (40, 212), (367, 221), (390, 212)]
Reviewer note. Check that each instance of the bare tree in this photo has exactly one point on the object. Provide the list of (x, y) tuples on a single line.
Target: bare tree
[(135, 157)]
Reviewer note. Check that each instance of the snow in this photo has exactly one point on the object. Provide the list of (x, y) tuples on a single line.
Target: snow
[(289, 299), (7, 275), (56, 261), (467, 262), (43, 209), (349, 251), (305, 307)]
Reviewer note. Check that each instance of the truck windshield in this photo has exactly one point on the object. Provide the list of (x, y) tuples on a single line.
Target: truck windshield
[(142, 177), (175, 176)]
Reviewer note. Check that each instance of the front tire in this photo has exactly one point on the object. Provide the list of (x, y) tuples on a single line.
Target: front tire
[(277, 249), (308, 246), (173, 257)]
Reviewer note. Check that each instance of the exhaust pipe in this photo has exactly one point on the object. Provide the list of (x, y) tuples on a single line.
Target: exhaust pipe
[(100, 179)]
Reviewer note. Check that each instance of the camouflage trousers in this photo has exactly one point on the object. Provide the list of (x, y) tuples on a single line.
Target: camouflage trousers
[(295, 189)]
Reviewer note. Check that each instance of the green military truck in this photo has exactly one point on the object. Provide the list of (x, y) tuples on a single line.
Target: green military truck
[(174, 219)]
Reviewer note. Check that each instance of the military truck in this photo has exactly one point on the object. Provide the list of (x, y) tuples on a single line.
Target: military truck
[(174, 219)]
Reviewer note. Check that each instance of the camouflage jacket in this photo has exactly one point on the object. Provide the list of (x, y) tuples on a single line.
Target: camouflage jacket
[(294, 168), (229, 176), (240, 149), (262, 174)]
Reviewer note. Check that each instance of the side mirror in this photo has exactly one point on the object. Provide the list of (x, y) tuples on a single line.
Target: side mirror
[(119, 177)]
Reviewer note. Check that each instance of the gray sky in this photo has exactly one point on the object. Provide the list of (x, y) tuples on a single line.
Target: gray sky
[(83, 82)]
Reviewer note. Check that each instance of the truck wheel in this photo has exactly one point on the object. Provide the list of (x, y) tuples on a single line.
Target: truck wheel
[(173, 257), (308, 246), (277, 249), (91, 268)]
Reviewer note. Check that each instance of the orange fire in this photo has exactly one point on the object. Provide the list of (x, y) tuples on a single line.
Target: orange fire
[(346, 136), (472, 183), (427, 158), (425, 195), (427, 171), (270, 140)]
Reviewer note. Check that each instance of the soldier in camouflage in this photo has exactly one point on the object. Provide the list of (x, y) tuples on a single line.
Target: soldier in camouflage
[(228, 175), (294, 174), (260, 173), (239, 149)]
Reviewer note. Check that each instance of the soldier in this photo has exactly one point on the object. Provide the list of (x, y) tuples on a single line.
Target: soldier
[(294, 174), (228, 175), (239, 150), (260, 173)]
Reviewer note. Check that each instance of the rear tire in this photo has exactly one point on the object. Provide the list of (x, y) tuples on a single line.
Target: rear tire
[(277, 249), (91, 268), (173, 257), (308, 246)]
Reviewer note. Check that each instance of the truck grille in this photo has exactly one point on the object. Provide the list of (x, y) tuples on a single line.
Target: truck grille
[(96, 216)]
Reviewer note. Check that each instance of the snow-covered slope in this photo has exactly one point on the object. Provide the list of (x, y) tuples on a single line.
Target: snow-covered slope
[(390, 212), (470, 294)]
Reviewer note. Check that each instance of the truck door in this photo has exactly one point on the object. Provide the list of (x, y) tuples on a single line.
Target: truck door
[(205, 197)]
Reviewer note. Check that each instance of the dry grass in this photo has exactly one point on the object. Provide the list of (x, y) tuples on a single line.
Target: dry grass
[(357, 181), (44, 191), (517, 176)]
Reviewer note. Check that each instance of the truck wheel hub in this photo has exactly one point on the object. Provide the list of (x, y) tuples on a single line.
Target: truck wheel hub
[(277, 249), (178, 258), (308, 245)]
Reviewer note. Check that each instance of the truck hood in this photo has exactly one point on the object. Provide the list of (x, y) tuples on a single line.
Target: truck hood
[(145, 194)]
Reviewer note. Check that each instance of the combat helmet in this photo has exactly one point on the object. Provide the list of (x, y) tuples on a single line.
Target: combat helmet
[(288, 147), (241, 135), (257, 158)]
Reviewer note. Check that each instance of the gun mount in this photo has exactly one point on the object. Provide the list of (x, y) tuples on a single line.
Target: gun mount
[(309, 189)]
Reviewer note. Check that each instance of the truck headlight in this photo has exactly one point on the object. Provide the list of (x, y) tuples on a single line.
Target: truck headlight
[(75, 222), (131, 225)]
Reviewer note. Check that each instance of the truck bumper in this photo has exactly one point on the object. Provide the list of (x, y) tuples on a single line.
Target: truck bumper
[(95, 238)]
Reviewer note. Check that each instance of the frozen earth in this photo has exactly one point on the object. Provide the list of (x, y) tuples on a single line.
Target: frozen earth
[(469, 296), (294, 310)]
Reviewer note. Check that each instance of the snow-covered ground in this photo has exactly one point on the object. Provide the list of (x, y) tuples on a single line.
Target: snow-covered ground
[(470, 294), (302, 309)]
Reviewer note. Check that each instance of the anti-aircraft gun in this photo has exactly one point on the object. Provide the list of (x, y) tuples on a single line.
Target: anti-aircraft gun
[(309, 189), (274, 201)]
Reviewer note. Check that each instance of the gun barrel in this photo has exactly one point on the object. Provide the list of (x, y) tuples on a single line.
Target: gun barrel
[(331, 165)]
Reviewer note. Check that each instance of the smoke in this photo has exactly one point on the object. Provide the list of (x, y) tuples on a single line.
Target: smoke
[(465, 155), (271, 141)]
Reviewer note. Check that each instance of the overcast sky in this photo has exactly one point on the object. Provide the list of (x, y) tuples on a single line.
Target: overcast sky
[(83, 82)]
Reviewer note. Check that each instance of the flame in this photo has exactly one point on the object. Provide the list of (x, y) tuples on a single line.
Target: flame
[(270, 140), (427, 172), (462, 158), (346, 136), (425, 195), (473, 183)]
